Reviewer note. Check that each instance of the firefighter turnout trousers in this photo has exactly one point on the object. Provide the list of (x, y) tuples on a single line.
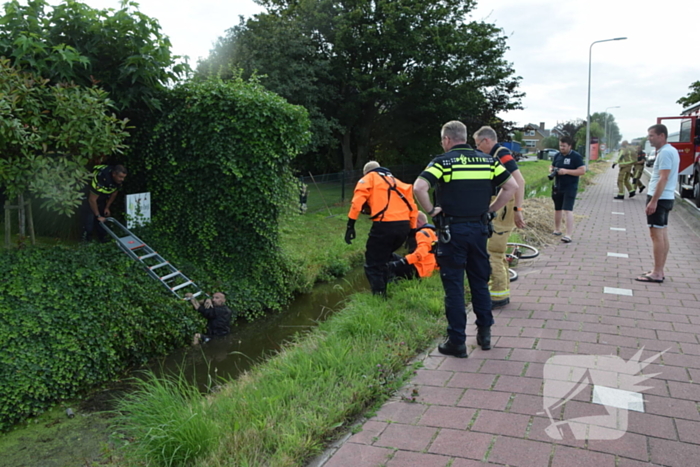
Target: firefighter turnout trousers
[(623, 180), (503, 225), (637, 177), (384, 239)]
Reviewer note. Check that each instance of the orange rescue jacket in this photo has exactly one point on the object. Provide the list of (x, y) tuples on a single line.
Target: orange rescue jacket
[(422, 257), (389, 199)]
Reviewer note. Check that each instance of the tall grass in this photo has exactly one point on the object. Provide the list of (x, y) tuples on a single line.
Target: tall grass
[(169, 420), (286, 410)]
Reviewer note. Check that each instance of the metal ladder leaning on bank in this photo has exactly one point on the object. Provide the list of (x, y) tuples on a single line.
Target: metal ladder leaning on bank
[(166, 274)]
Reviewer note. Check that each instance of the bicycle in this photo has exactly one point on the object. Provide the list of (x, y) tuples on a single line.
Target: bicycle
[(517, 251)]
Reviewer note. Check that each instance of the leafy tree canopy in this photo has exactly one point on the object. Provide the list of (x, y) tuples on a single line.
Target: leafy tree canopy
[(123, 51), (379, 78), (48, 134), (693, 96)]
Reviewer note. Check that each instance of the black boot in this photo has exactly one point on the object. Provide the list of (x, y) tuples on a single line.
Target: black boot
[(483, 337), (448, 348), (632, 194)]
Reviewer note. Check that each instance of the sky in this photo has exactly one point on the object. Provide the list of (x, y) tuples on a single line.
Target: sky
[(549, 44)]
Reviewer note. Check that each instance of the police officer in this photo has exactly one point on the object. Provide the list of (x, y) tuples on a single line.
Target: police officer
[(464, 180), (626, 160), (394, 214), (506, 219), (639, 170), (420, 260), (102, 190)]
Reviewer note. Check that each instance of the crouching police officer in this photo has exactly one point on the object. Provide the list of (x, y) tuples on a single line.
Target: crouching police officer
[(464, 180), (394, 214), (420, 260), (102, 190)]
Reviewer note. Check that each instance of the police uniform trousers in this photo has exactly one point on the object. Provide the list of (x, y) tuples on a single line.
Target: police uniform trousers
[(384, 239), (466, 251), (89, 220), (637, 176), (503, 225), (623, 180)]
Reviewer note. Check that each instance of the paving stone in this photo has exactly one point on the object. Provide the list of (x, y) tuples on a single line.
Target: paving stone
[(502, 423), (439, 396), (476, 398), (630, 445), (572, 457), (400, 412), (359, 455), (447, 417), (370, 432), (432, 377), (461, 444), (416, 459), (472, 381), (520, 452), (406, 437), (673, 453)]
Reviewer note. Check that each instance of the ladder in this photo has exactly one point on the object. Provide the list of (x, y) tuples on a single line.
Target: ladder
[(156, 266)]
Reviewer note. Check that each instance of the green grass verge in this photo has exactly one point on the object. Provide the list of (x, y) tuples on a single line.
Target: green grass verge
[(285, 411)]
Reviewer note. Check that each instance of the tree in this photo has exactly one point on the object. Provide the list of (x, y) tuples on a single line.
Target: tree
[(571, 127), (122, 51), (551, 141), (378, 77), (47, 135), (693, 96), (596, 132)]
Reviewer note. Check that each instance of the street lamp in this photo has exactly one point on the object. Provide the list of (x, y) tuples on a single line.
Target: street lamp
[(588, 110), (607, 146)]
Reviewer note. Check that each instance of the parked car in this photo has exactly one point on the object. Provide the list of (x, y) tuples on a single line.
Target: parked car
[(547, 154), (651, 158)]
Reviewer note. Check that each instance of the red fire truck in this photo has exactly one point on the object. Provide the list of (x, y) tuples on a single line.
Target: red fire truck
[(684, 135)]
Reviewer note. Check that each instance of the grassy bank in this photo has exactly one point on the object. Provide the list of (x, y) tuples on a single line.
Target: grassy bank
[(284, 411)]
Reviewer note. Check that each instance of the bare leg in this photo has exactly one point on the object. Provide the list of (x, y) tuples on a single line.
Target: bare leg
[(196, 338), (661, 247), (569, 223), (557, 221)]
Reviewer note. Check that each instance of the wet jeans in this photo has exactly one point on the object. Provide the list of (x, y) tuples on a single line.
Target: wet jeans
[(466, 251)]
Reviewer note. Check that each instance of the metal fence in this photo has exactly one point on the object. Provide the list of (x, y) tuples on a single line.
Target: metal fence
[(335, 189)]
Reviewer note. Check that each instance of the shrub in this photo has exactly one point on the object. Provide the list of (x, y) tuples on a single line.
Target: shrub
[(74, 318)]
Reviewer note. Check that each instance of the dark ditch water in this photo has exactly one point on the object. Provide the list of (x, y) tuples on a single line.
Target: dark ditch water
[(54, 440)]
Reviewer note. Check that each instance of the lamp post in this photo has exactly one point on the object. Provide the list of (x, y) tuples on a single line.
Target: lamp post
[(605, 135), (588, 109)]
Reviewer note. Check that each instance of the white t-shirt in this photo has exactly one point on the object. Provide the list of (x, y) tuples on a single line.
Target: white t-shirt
[(667, 158)]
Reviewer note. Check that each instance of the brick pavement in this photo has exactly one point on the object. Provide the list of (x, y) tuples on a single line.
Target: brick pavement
[(488, 409)]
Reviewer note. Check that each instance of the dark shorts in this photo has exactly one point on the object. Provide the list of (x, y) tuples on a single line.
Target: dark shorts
[(564, 200), (660, 217)]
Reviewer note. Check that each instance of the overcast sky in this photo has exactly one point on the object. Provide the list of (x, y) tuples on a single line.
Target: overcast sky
[(549, 45)]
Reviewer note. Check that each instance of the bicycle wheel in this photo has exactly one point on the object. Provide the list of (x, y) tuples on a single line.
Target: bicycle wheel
[(513, 275), (522, 251)]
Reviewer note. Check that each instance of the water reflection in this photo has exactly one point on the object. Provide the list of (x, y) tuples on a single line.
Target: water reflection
[(249, 343)]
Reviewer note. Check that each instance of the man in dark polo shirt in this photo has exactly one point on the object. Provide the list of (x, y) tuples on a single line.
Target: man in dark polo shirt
[(102, 190), (464, 180)]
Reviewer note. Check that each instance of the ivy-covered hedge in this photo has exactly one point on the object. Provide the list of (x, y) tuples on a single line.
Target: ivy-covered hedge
[(217, 166), (74, 318)]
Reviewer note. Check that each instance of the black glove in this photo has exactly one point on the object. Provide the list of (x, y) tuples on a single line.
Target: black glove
[(350, 232), (614, 164), (394, 265)]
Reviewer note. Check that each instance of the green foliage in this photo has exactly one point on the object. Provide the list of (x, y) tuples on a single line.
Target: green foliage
[(48, 134), (693, 96), (378, 78), (551, 142), (217, 167), (285, 410), (123, 50), (74, 318), (596, 130)]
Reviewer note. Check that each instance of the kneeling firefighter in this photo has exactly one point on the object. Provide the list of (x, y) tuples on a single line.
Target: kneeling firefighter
[(420, 261), (394, 214)]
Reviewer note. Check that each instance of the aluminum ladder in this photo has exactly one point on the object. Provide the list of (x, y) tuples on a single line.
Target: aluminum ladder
[(155, 265)]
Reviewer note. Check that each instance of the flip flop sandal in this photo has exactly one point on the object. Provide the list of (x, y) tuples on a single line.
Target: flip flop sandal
[(556, 233), (644, 278), (566, 239)]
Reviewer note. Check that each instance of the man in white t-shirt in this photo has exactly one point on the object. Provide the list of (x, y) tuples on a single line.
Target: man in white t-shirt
[(660, 198)]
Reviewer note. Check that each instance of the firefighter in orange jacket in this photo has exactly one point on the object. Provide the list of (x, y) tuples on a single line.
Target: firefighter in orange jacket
[(394, 214), (420, 261)]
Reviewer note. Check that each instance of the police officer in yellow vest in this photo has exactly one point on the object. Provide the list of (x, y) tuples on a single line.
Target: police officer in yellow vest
[(102, 190), (507, 218), (626, 161)]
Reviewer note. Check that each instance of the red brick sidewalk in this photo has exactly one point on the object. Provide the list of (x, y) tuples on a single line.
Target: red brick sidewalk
[(488, 409)]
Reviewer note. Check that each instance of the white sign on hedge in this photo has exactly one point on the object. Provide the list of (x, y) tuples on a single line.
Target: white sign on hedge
[(138, 209)]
